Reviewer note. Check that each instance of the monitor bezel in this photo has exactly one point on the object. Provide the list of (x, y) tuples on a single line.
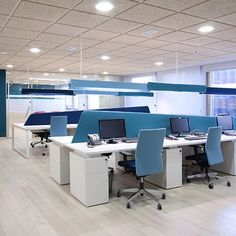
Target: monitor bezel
[(179, 118), (232, 123), (111, 138)]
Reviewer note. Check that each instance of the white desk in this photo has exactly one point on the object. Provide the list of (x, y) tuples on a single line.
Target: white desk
[(22, 137), (89, 170)]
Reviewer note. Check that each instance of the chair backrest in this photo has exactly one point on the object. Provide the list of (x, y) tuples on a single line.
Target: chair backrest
[(148, 156), (213, 149), (58, 126)]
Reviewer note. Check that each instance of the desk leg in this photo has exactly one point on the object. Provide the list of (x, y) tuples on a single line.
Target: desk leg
[(229, 153), (89, 179), (172, 174), (59, 160)]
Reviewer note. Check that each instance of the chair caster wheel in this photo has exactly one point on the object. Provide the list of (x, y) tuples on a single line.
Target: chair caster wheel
[(159, 206), (128, 205), (163, 196), (46, 146), (32, 145), (118, 194), (210, 186), (43, 154), (141, 194), (189, 181), (228, 184)]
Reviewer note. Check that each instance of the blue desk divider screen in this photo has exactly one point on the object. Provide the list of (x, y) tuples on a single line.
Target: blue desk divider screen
[(74, 116), (134, 122)]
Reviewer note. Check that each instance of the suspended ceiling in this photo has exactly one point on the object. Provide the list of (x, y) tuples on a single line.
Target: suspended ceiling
[(135, 34)]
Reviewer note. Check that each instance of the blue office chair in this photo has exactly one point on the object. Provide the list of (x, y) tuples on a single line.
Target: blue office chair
[(148, 161), (212, 155), (58, 126)]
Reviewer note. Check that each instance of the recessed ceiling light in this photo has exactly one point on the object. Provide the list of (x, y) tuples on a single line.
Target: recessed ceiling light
[(105, 73), (104, 6), (105, 58), (3, 53), (53, 74), (85, 76), (35, 50), (159, 63), (45, 74), (9, 66), (206, 29), (61, 69)]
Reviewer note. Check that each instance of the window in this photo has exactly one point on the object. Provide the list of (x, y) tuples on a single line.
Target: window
[(219, 104)]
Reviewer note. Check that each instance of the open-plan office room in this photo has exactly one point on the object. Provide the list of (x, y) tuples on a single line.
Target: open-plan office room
[(117, 117)]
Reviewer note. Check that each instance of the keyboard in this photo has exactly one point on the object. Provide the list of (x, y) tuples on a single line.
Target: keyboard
[(230, 132), (195, 137), (130, 140)]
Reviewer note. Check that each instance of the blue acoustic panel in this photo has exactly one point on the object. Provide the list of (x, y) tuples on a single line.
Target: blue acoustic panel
[(44, 118), (74, 116), (47, 92), (176, 87), (3, 113), (115, 86), (134, 122), (220, 91), (136, 94)]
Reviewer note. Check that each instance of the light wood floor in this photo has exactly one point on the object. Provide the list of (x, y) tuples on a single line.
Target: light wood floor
[(32, 204)]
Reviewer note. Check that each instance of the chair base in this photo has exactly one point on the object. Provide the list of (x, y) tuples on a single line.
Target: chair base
[(141, 192), (209, 176)]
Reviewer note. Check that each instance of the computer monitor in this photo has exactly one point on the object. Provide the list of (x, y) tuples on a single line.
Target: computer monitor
[(112, 129), (179, 125), (225, 121)]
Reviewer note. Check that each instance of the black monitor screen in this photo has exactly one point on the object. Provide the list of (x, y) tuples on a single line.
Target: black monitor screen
[(179, 125), (225, 121), (112, 129)]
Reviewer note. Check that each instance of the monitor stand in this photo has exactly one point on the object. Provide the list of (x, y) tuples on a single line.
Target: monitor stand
[(111, 141)]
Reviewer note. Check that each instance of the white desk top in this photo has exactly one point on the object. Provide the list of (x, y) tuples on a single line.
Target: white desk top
[(62, 140), (84, 150), (40, 127)]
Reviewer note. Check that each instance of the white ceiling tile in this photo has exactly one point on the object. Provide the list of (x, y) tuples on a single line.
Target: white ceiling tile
[(6, 7), (118, 26), (76, 42), (2, 20), (99, 35), (225, 34), (42, 44), (178, 21), (16, 33), (89, 6), (54, 38), (200, 41), (156, 51), (175, 5), (27, 24), (133, 49), (144, 14), (38, 11), (212, 9), (127, 39), (58, 3), (228, 19), (177, 36), (8, 47), (110, 45), (149, 31), (82, 19), (178, 47), (221, 45), (15, 41), (65, 30), (153, 43)]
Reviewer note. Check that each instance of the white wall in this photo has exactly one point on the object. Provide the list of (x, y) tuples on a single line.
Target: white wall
[(174, 102)]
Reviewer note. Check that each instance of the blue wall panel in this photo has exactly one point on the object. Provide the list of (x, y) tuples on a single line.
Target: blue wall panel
[(3, 115)]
